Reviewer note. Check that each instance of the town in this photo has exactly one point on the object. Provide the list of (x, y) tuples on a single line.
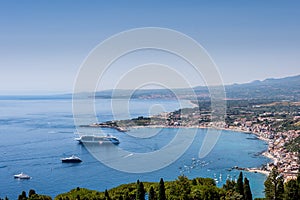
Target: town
[(278, 123)]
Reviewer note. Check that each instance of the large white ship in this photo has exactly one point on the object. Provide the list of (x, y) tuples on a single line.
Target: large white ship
[(97, 139)]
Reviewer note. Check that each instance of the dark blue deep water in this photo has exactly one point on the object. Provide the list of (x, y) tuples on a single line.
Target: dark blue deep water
[(36, 132)]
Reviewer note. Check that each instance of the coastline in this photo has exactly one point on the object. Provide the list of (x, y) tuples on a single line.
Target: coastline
[(253, 170), (261, 126)]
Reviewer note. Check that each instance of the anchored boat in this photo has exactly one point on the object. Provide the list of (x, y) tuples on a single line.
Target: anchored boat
[(72, 159), (22, 176)]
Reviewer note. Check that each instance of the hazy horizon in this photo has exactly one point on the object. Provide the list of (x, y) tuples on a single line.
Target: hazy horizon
[(41, 92)]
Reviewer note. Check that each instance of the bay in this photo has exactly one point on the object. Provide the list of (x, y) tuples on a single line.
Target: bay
[(36, 132)]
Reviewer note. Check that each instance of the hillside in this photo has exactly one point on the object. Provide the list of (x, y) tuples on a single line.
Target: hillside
[(282, 89)]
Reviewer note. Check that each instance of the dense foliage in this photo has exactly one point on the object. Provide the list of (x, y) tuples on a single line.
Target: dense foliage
[(275, 189), (31, 196), (183, 189)]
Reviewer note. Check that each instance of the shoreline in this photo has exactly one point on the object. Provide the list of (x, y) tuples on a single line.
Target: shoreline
[(253, 170)]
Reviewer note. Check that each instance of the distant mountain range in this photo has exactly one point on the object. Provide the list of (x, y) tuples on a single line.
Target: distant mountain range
[(280, 89), (287, 88)]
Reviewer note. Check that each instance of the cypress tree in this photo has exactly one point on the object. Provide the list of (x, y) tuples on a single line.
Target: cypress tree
[(247, 190), (161, 190), (291, 190), (298, 176), (194, 182), (106, 195), (137, 194), (140, 193), (142, 189), (280, 189), (23, 194), (151, 194), (239, 185), (274, 185)]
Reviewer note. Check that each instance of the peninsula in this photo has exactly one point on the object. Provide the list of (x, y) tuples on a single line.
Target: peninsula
[(278, 123), (269, 109)]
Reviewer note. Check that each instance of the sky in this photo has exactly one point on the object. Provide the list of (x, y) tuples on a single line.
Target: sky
[(44, 43)]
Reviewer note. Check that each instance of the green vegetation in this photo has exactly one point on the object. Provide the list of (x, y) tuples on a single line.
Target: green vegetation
[(31, 196), (151, 194), (279, 116), (294, 145), (275, 189), (140, 191), (292, 190), (240, 185), (161, 190), (247, 190), (183, 189), (238, 190)]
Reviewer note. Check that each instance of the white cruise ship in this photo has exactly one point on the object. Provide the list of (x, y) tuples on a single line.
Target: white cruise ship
[(97, 139)]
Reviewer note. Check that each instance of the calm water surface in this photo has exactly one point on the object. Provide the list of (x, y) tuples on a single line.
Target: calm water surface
[(36, 132)]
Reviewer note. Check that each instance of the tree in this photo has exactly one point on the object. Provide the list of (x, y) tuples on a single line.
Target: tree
[(280, 188), (22, 196), (140, 193), (298, 177), (274, 186), (161, 190), (209, 193), (247, 190), (291, 190), (182, 188), (239, 185), (229, 185), (194, 181), (31, 193), (106, 195), (151, 194), (126, 196)]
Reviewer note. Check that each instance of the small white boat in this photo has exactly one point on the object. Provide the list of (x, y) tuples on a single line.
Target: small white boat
[(97, 139), (22, 176), (72, 159)]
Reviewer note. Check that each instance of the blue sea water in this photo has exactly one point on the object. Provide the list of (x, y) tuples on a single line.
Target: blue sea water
[(36, 132)]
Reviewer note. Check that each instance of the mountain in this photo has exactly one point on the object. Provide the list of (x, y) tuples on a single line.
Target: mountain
[(280, 89), (287, 88)]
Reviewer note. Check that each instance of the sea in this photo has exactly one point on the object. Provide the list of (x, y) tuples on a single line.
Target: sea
[(37, 131)]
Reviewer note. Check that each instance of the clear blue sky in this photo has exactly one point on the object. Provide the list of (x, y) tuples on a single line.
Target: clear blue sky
[(43, 43)]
